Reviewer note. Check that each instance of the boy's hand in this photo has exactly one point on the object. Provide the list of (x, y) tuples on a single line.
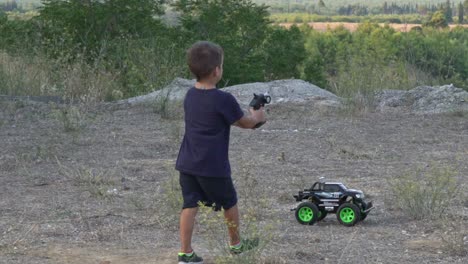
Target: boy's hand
[(255, 120), (259, 116)]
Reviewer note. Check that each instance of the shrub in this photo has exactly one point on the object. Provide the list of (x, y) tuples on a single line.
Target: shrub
[(426, 194), (72, 118)]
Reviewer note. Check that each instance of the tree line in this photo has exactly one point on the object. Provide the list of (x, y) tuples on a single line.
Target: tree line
[(126, 42)]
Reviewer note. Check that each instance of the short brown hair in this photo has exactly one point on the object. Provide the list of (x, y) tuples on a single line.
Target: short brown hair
[(203, 57)]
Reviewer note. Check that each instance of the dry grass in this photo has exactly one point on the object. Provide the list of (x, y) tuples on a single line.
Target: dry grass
[(99, 183), (166, 108), (359, 81), (72, 118), (25, 76), (168, 201), (455, 236), (35, 76), (427, 193)]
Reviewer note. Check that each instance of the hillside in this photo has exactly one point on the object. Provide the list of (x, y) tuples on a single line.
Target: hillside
[(96, 184)]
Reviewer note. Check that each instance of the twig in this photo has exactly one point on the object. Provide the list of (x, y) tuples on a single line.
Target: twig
[(25, 234)]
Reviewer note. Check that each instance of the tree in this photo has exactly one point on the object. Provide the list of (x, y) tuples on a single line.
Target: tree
[(437, 20), (283, 52), (448, 12), (460, 13), (3, 17), (321, 4), (84, 25), (239, 26), (9, 5), (385, 7)]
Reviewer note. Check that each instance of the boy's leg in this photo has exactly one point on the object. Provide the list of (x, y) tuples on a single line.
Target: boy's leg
[(222, 192), (187, 221), (232, 218), (192, 194)]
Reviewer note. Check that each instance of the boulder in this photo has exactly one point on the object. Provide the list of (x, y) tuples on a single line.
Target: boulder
[(424, 99), (280, 91), (176, 90), (283, 91)]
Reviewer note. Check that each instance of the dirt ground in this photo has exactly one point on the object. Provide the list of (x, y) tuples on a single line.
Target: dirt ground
[(92, 185)]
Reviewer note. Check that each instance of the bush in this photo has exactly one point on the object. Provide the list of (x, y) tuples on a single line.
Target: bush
[(72, 118), (426, 194)]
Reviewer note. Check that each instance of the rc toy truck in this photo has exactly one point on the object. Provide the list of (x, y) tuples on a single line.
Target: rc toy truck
[(349, 205)]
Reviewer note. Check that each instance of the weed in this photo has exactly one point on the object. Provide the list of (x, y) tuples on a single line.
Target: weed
[(8, 164), (353, 153), (72, 118), (161, 105), (166, 107), (358, 104), (98, 183), (359, 79), (213, 227), (168, 203), (458, 113), (44, 152), (255, 208), (137, 202), (22, 76), (174, 133), (426, 194), (455, 235)]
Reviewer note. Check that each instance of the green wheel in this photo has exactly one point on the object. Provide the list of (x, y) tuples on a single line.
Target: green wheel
[(322, 214), (348, 214), (307, 213)]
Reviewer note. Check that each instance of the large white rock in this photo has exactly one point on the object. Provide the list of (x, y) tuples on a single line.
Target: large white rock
[(280, 91), (424, 99)]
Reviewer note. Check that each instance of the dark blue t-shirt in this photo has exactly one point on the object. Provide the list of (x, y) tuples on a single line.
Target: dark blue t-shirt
[(209, 115)]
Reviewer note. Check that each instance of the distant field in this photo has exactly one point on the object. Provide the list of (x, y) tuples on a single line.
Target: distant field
[(324, 26), (337, 3), (26, 4), (20, 2), (328, 3)]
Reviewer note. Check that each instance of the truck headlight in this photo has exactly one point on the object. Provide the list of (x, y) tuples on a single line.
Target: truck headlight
[(360, 196)]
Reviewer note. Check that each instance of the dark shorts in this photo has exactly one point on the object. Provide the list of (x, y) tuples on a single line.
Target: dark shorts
[(217, 192)]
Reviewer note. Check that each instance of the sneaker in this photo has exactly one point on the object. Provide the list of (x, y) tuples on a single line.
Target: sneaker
[(190, 258), (245, 245)]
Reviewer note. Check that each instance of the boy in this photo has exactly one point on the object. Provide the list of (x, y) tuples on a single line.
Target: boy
[(203, 163)]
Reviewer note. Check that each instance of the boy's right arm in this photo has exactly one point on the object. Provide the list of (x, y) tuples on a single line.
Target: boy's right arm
[(250, 121)]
